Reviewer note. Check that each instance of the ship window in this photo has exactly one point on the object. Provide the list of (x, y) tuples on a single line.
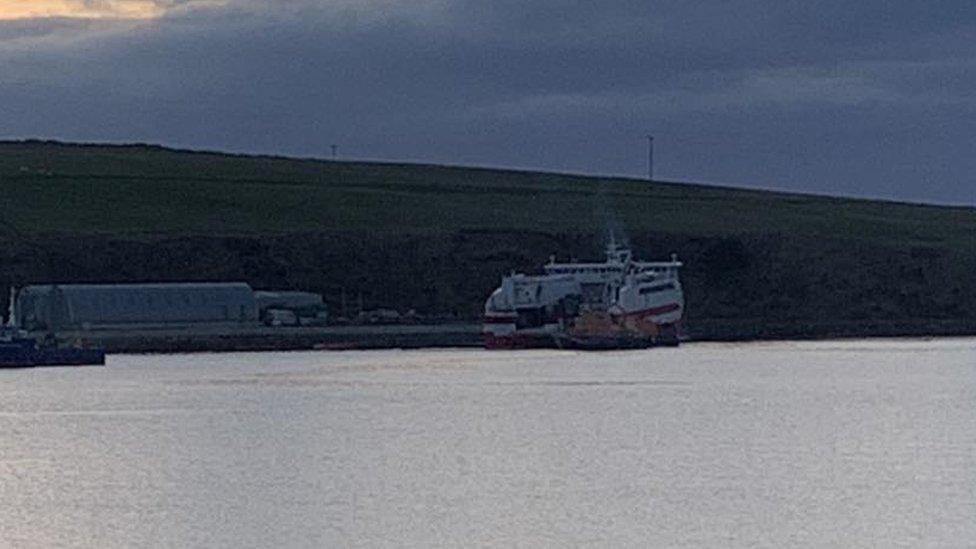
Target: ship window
[(656, 289)]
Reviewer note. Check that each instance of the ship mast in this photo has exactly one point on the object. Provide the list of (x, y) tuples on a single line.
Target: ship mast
[(612, 246), (12, 308)]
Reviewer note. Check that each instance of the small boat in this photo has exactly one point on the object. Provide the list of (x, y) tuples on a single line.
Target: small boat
[(19, 351)]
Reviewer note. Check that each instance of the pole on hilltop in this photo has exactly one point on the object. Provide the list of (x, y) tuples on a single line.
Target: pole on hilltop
[(650, 158)]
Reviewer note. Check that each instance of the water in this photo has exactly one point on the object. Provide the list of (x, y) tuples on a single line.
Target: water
[(862, 443)]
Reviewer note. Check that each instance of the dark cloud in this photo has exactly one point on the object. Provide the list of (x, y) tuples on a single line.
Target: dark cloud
[(868, 99)]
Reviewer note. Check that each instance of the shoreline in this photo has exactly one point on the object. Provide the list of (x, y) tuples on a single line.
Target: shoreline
[(224, 339)]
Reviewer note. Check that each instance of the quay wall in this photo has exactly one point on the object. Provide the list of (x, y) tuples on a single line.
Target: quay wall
[(459, 335)]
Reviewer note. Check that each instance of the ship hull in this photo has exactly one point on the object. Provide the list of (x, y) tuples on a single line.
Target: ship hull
[(25, 355), (666, 337), (520, 341), (70, 357)]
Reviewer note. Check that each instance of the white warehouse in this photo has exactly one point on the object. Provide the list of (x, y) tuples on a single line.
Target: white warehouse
[(83, 306)]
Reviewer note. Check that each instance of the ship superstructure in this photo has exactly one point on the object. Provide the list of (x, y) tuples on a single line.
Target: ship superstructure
[(618, 303)]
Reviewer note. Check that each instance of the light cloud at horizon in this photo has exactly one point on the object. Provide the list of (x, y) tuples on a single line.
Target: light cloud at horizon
[(93, 9)]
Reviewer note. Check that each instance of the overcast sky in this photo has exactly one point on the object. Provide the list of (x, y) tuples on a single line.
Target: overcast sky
[(866, 98)]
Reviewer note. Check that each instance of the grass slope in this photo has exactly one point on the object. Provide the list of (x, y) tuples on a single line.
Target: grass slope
[(437, 237)]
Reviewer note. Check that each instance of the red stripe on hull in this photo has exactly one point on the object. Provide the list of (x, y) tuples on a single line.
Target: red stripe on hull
[(519, 341)]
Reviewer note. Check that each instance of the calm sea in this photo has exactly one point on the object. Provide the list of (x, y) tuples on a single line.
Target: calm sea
[(845, 444)]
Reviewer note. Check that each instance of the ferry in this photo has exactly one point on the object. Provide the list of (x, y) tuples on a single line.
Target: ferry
[(620, 303)]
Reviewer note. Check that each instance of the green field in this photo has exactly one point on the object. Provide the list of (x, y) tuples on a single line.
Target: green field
[(50, 188), (437, 238)]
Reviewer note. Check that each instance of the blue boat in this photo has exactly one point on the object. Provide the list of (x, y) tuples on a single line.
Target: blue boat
[(18, 350), (24, 352)]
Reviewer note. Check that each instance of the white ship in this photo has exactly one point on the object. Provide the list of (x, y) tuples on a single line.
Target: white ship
[(620, 303)]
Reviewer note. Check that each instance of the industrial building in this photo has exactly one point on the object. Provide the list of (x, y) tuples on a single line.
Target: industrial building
[(289, 300), (291, 308), (70, 306)]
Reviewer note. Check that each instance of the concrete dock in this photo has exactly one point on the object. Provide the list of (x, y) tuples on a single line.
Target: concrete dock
[(263, 338)]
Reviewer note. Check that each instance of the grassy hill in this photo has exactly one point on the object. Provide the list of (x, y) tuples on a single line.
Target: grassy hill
[(438, 238)]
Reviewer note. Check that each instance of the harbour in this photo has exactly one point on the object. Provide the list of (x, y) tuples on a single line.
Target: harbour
[(313, 274)]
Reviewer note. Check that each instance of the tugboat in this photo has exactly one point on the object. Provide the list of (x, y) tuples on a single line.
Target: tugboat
[(18, 350), (618, 304)]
